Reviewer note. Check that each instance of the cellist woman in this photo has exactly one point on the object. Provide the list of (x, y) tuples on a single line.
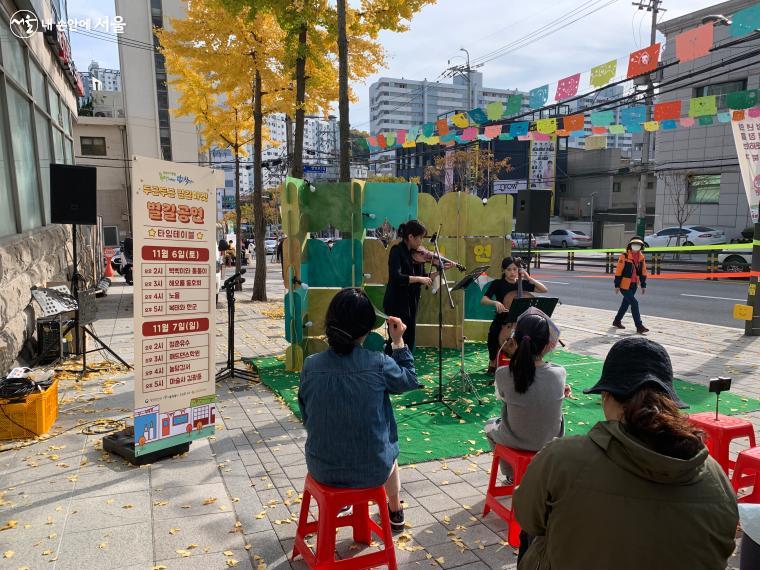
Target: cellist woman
[(513, 278)]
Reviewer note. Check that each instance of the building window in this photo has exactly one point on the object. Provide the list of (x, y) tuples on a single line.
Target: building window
[(25, 160), (93, 146), (13, 54), (721, 90), (616, 186), (704, 189)]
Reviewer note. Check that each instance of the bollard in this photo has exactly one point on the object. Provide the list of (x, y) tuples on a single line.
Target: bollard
[(568, 261)]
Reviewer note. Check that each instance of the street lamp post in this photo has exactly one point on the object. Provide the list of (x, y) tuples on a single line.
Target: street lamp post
[(591, 215)]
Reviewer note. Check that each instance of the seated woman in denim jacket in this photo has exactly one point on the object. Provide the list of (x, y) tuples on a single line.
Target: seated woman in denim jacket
[(351, 435)]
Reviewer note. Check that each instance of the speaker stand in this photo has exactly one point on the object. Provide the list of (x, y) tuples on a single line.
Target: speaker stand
[(80, 342)]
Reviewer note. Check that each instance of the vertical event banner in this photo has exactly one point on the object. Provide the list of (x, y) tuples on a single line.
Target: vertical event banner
[(747, 140), (543, 165), (174, 209)]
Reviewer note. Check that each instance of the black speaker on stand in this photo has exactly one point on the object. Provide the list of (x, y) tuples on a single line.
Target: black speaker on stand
[(532, 212), (73, 200)]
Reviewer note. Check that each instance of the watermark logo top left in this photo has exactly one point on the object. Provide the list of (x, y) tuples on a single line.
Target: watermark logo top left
[(24, 24)]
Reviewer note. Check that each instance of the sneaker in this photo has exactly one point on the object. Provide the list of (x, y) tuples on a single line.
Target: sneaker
[(397, 520), (642, 329), (509, 481), (617, 325), (346, 511)]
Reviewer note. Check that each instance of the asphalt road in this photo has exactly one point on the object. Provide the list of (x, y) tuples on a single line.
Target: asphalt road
[(694, 300)]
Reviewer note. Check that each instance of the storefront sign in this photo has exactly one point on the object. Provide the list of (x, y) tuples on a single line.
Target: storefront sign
[(747, 141), (174, 308), (509, 186)]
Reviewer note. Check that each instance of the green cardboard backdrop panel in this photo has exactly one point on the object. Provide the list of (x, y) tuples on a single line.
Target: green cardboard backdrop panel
[(473, 295), (486, 251), (294, 314), (376, 294), (331, 205), (395, 202), (374, 342), (331, 266), (427, 212), (291, 253), (375, 262), (452, 209), (491, 219), (290, 208), (319, 300)]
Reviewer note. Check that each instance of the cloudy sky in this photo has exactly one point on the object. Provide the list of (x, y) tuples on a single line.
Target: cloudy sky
[(612, 29)]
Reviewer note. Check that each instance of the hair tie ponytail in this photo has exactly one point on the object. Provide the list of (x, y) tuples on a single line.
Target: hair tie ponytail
[(526, 337)]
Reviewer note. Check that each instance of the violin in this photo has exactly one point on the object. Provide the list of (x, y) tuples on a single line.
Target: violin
[(422, 255)]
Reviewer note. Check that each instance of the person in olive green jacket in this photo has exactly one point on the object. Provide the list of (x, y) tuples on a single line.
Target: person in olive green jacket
[(639, 491)]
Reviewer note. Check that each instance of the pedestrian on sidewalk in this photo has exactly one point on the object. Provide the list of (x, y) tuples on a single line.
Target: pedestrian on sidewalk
[(640, 490), (351, 434), (631, 271)]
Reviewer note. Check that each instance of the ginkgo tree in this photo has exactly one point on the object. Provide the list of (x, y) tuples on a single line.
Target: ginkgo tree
[(229, 73)]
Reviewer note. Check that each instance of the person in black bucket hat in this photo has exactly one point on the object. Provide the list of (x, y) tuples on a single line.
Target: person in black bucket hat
[(632, 363), (639, 490)]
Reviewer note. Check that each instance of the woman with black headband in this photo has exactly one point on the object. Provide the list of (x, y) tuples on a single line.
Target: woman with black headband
[(351, 435)]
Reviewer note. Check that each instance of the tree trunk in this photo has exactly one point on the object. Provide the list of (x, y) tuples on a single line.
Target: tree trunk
[(238, 248), (345, 135), (260, 275), (297, 170)]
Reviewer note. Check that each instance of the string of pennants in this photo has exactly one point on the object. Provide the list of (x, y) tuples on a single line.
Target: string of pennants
[(690, 44)]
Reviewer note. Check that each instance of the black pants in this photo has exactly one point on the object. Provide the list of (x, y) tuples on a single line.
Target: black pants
[(525, 541), (493, 334), (409, 318), (750, 555)]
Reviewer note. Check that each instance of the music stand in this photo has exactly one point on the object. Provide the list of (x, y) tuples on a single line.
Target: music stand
[(519, 306), (438, 398), (462, 374)]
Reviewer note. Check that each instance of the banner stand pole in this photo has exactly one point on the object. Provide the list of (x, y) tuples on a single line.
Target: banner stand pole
[(752, 327)]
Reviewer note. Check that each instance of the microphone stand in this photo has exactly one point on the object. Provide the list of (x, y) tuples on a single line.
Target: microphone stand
[(230, 371), (438, 397)]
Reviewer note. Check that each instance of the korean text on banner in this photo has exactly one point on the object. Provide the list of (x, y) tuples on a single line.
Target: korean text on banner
[(175, 309), (747, 140)]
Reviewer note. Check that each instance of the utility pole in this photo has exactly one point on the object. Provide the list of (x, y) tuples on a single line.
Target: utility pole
[(652, 6), (752, 327)]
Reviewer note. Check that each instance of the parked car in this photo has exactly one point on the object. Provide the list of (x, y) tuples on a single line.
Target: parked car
[(542, 240), (569, 238), (270, 245), (735, 260), (520, 241), (689, 235)]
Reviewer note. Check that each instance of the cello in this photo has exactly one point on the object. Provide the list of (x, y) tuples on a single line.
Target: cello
[(506, 330)]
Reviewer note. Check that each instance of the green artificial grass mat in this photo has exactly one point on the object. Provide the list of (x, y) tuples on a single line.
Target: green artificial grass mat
[(431, 432)]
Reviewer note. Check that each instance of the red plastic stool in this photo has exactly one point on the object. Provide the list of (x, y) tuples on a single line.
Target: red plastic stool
[(721, 432), (503, 360), (330, 501), (746, 473), (519, 460)]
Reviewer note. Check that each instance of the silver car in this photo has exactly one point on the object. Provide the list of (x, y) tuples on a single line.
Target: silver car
[(735, 260)]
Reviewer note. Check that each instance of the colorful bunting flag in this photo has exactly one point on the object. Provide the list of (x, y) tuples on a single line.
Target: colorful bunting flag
[(448, 137), (634, 128), (428, 129), (737, 116), (381, 140), (506, 137), (478, 116), (724, 117), (616, 129), (668, 124), (495, 110), (372, 141), (401, 136), (526, 137), (519, 129), (470, 133), (754, 112), (390, 139), (742, 99), (541, 137), (460, 120), (546, 126), (595, 143), (667, 110), (651, 126), (492, 131), (562, 133), (413, 133), (633, 115), (686, 121), (643, 61), (601, 75), (537, 97), (745, 21), (574, 122), (514, 105), (703, 106), (694, 43), (409, 144), (443, 126), (705, 120), (599, 130), (567, 87), (602, 118)]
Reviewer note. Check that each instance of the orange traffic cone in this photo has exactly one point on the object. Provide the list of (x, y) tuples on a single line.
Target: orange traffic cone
[(109, 268)]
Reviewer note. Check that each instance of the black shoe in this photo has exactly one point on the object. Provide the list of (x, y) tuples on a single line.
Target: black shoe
[(617, 325), (642, 329), (397, 520)]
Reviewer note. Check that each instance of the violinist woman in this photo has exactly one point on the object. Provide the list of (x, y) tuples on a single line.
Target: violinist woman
[(405, 277), (495, 293)]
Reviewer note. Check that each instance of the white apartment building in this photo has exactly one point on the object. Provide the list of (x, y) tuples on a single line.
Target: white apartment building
[(151, 129), (98, 78), (403, 103)]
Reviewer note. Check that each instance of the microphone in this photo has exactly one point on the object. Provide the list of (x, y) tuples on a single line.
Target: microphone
[(234, 279)]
